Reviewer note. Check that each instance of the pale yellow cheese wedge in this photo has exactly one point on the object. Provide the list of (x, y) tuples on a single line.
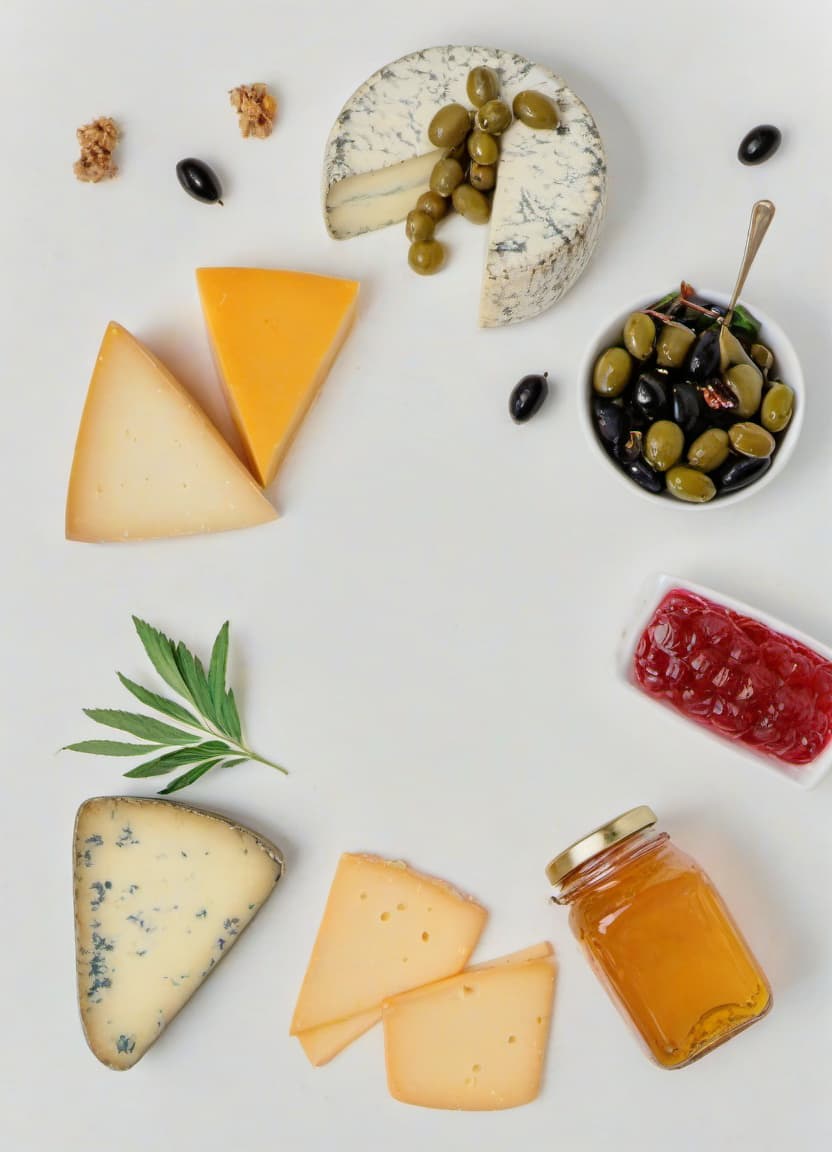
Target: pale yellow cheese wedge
[(323, 1043), (148, 461), (385, 928), (162, 893), (474, 1042), (275, 335)]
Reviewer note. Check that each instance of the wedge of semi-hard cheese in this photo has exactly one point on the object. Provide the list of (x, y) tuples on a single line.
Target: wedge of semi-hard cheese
[(148, 462), (476, 1041), (385, 928), (275, 336), (321, 1044), (551, 185), (162, 892)]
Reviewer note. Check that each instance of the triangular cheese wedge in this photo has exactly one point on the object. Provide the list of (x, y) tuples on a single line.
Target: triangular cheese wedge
[(148, 461), (476, 1041), (162, 892), (323, 1043), (275, 336), (385, 928)]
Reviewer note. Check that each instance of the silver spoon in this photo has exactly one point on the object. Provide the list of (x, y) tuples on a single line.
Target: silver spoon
[(762, 215)]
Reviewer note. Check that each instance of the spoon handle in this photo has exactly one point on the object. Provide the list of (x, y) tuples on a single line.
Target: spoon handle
[(762, 215)]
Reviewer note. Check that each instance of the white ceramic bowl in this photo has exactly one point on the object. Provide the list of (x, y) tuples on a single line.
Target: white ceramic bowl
[(805, 776), (788, 370)]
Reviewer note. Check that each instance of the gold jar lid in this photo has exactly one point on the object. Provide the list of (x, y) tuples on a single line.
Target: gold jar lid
[(627, 824)]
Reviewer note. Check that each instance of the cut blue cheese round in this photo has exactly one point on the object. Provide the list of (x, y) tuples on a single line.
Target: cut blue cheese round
[(551, 187)]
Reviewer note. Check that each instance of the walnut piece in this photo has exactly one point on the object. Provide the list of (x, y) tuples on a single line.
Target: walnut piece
[(256, 108), (98, 141)]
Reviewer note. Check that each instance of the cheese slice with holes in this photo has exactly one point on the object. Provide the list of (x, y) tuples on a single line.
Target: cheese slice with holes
[(148, 461), (162, 893), (323, 1043), (551, 190), (385, 928), (275, 336), (474, 1042)]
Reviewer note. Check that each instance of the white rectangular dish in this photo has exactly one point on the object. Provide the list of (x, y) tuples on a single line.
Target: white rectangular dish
[(805, 776)]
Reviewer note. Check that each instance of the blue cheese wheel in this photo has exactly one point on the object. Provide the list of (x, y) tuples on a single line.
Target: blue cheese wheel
[(551, 188)]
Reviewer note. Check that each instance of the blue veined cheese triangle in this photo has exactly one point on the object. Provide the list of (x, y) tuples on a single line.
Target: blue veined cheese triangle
[(551, 190), (148, 462), (162, 893)]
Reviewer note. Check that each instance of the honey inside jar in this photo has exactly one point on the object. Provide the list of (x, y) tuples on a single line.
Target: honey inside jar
[(661, 940)]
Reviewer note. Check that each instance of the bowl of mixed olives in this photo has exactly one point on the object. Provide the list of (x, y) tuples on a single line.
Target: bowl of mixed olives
[(689, 408)]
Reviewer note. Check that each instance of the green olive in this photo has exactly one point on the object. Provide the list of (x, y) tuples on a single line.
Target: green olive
[(777, 407), (483, 148), (535, 110), (690, 484), (419, 226), (663, 444), (673, 344), (746, 382), (472, 204), (482, 85), (426, 257), (446, 174), (751, 439), (494, 117), (482, 176), (460, 152), (763, 357), (432, 204), (612, 372), (639, 335), (709, 450), (450, 125)]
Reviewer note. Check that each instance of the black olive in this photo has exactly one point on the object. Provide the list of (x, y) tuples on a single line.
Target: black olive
[(611, 420), (527, 396), (199, 180), (644, 475), (704, 356), (739, 473), (628, 448), (651, 396), (759, 144), (686, 408)]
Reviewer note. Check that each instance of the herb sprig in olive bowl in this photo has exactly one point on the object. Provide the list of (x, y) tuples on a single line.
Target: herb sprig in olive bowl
[(688, 409)]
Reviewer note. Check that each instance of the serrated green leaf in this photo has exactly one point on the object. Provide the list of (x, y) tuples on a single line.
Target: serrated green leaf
[(145, 727), (160, 703), (160, 649), (231, 717), (111, 748), (194, 676), (189, 777), (161, 765), (217, 670)]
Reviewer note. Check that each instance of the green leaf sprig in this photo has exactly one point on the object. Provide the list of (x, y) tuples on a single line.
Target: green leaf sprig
[(210, 736)]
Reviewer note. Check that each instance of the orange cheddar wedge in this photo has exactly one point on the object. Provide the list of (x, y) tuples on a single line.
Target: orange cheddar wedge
[(275, 336)]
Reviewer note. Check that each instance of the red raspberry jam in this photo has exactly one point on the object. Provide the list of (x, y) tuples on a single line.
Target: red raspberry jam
[(737, 677)]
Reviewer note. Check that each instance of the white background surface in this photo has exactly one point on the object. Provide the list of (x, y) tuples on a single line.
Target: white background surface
[(426, 638)]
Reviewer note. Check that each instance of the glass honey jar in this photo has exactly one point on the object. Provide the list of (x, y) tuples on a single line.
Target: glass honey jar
[(659, 938)]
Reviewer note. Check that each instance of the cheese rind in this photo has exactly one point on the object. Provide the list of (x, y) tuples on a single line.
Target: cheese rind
[(474, 1042), (550, 196), (148, 462), (162, 893), (385, 928), (275, 335)]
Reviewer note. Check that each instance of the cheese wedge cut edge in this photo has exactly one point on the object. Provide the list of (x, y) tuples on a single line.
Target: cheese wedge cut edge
[(148, 463)]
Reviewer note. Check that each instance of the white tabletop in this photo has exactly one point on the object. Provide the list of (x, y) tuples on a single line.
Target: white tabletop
[(427, 637)]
